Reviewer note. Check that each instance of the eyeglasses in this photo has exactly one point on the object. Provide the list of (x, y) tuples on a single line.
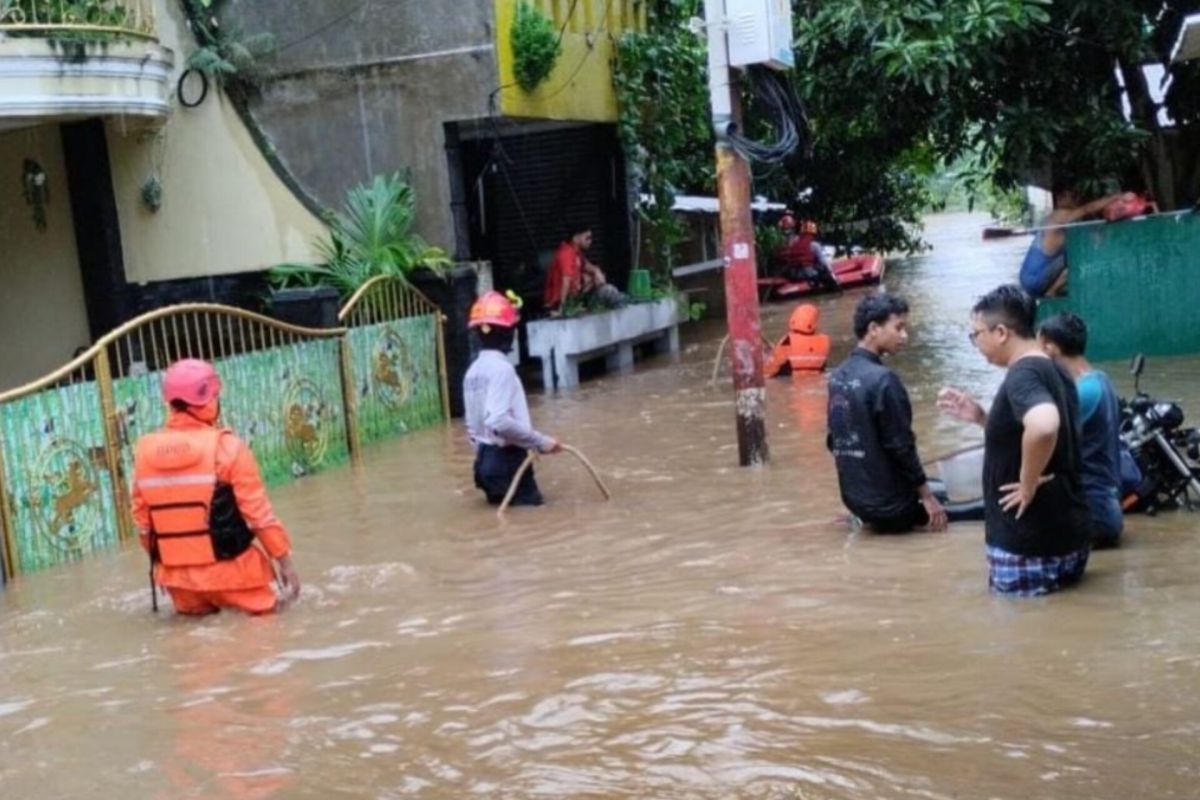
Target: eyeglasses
[(973, 336)]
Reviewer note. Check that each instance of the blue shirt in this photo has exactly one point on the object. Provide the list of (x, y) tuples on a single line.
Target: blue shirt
[(1040, 269), (1100, 447)]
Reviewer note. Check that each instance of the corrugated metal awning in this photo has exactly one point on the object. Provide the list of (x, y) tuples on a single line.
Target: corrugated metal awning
[(1188, 45)]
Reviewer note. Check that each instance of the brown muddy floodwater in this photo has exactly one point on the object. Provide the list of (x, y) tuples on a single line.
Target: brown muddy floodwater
[(710, 633)]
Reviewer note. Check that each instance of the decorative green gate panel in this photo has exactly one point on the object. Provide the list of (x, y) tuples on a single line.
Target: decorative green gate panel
[(1137, 285), (395, 367), (58, 487), (285, 402), (397, 361)]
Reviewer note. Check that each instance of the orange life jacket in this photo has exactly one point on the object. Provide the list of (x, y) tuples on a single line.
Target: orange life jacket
[(194, 519), (803, 349), (808, 352)]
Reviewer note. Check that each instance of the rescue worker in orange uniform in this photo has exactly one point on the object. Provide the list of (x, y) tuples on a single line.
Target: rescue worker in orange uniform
[(803, 257), (802, 349), (200, 505)]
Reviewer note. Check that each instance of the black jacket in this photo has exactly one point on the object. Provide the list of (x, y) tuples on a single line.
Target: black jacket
[(870, 436)]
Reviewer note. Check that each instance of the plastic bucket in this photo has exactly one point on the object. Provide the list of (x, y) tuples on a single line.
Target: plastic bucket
[(639, 284), (963, 474)]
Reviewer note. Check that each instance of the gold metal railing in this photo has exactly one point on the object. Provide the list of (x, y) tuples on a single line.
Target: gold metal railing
[(83, 17)]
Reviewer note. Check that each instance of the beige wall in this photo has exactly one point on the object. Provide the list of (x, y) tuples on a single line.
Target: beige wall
[(223, 209), (42, 313)]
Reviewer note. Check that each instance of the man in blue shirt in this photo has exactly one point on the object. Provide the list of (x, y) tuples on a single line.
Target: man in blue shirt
[(1044, 270), (1064, 338)]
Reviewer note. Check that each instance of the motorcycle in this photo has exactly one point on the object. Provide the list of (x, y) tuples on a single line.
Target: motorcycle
[(1166, 453)]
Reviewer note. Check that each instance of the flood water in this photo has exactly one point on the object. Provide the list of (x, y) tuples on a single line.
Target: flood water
[(710, 633)]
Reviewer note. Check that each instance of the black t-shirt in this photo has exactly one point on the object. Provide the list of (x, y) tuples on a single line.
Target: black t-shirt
[(1057, 521)]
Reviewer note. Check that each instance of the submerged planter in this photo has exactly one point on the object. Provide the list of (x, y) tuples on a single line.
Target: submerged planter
[(563, 344), (308, 307)]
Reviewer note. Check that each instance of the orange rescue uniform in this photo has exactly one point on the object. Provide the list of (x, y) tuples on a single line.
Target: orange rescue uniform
[(177, 472), (803, 349)]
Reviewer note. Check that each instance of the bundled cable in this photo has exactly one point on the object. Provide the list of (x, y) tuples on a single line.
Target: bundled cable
[(774, 92)]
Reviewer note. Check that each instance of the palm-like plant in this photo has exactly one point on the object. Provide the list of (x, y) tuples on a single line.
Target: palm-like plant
[(372, 236)]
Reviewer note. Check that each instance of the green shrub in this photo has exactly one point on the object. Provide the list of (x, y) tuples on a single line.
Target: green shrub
[(535, 45)]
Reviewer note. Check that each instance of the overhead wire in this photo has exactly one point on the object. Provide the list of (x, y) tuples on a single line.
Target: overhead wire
[(591, 49), (777, 96), (324, 26)]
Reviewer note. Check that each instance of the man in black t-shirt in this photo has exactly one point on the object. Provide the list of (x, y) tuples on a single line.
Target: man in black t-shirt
[(1038, 536)]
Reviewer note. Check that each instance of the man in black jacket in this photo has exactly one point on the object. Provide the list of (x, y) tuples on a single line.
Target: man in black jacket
[(870, 427)]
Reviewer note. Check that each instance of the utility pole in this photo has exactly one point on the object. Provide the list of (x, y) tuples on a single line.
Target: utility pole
[(737, 244)]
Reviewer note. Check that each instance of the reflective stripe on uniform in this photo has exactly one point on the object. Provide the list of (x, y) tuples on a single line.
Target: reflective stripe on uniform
[(176, 480)]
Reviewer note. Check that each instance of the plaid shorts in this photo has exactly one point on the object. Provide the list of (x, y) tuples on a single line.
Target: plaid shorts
[(1030, 576)]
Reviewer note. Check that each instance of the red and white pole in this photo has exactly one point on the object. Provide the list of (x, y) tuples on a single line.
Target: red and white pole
[(737, 244)]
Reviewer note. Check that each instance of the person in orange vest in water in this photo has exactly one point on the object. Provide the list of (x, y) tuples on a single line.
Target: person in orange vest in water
[(802, 349), (200, 505)]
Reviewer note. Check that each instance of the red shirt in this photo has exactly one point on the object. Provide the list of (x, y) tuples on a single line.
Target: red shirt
[(567, 268)]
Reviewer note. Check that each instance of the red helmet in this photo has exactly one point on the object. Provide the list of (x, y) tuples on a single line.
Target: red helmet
[(787, 222), (809, 227), (804, 319), (494, 309), (193, 381)]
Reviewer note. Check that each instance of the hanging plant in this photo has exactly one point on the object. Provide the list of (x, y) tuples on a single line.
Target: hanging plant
[(535, 45), (152, 193), (36, 190)]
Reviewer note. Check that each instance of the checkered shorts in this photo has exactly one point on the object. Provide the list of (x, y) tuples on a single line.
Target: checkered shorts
[(1030, 576)]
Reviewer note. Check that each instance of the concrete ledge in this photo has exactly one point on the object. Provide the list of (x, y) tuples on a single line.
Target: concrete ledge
[(563, 344), (41, 82)]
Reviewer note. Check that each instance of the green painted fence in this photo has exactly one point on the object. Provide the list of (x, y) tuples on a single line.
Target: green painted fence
[(397, 387), (1137, 285)]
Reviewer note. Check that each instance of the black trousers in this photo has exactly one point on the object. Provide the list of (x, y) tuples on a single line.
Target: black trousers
[(915, 515), (494, 471)]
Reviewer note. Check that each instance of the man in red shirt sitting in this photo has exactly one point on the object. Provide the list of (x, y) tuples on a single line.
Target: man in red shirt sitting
[(572, 275)]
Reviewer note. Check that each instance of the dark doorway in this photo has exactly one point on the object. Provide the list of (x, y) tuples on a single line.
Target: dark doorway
[(527, 186), (97, 227)]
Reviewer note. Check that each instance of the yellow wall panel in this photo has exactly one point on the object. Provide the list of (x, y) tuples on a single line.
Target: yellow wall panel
[(580, 86)]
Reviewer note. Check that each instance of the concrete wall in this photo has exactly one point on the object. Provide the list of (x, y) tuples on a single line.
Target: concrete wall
[(42, 313), (369, 90), (224, 210)]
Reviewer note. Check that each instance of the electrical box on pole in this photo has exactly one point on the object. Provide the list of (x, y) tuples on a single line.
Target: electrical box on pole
[(760, 32)]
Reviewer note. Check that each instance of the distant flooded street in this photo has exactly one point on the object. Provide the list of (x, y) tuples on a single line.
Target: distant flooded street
[(712, 632)]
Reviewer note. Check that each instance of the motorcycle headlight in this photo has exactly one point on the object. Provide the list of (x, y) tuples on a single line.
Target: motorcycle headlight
[(1167, 415)]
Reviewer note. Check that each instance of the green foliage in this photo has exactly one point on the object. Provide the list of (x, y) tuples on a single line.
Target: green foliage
[(662, 94), (768, 240), (371, 236), (224, 54), (1023, 89), (536, 46)]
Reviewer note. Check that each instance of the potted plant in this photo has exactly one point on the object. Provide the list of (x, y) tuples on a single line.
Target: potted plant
[(371, 236)]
